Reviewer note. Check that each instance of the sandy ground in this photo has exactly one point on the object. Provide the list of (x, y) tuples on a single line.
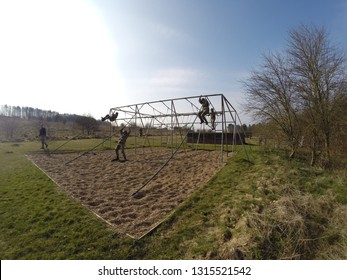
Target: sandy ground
[(107, 188)]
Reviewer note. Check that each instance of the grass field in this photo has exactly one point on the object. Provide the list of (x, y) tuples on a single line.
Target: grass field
[(270, 208)]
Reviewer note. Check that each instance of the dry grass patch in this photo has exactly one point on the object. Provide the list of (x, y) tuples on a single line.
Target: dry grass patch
[(295, 226)]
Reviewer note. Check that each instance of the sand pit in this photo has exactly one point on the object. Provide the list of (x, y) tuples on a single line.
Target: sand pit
[(106, 187)]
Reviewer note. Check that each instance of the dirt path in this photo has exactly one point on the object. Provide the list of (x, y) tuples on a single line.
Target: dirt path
[(106, 187)]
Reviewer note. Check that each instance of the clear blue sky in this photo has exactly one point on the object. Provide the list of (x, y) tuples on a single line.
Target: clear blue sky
[(84, 57)]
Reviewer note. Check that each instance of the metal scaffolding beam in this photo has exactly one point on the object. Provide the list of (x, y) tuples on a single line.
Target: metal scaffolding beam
[(179, 113)]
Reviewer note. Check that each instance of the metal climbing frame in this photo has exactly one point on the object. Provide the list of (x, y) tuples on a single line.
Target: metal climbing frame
[(176, 118)]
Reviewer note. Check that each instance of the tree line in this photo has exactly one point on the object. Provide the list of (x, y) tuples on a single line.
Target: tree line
[(87, 123), (302, 93), (30, 113)]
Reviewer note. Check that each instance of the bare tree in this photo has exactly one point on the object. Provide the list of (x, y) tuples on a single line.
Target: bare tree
[(87, 123), (270, 98), (319, 76), (302, 92)]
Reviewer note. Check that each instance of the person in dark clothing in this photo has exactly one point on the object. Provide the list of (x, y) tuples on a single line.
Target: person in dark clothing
[(213, 119), (121, 144), (205, 109), (112, 118), (42, 135)]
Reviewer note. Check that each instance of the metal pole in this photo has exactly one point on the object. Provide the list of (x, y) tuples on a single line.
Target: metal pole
[(223, 127), (166, 100), (65, 143), (234, 118), (234, 136), (135, 142), (110, 135)]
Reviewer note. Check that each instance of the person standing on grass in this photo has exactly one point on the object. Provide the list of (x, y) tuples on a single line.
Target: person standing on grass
[(121, 144), (42, 135)]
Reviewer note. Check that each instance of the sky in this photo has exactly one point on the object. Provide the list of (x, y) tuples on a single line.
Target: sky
[(87, 56)]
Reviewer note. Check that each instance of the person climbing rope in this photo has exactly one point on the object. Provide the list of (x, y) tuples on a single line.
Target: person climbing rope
[(121, 143), (112, 118), (205, 109), (213, 118)]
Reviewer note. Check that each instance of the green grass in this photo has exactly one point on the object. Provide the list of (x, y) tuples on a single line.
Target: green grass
[(40, 222), (232, 216)]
